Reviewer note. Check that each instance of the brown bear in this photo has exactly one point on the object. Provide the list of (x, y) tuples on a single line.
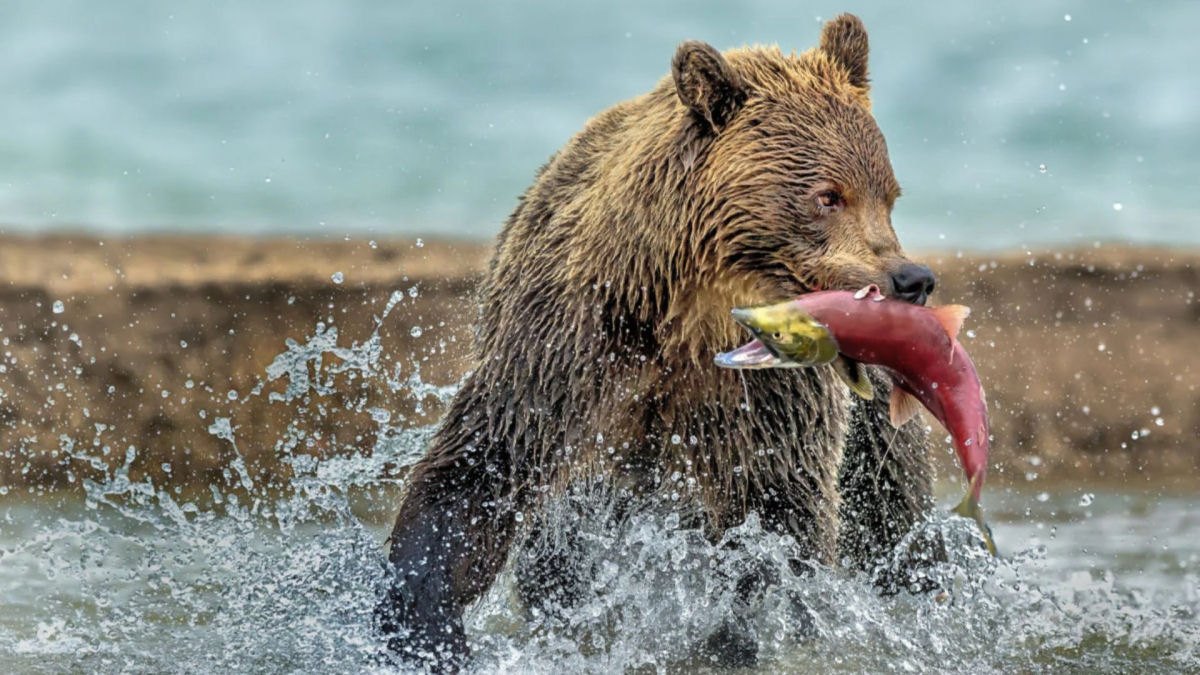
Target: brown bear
[(742, 178)]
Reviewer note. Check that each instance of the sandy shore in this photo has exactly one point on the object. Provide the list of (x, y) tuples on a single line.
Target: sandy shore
[(1089, 355)]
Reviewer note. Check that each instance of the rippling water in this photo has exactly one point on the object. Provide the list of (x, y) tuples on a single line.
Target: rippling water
[(1009, 123), (154, 585), (130, 576)]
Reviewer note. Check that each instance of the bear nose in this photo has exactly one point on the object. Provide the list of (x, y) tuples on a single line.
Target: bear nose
[(913, 283)]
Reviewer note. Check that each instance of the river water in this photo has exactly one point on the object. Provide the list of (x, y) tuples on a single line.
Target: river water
[(125, 576), (1022, 122), (154, 585)]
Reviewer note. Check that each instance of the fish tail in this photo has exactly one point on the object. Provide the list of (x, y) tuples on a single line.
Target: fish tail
[(969, 508)]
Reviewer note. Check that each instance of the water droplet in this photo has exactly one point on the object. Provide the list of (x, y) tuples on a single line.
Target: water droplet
[(519, 517), (1117, 206), (420, 243), (676, 439), (415, 331), (1154, 410), (1066, 17), (1041, 168), (1101, 347), (1086, 499), (189, 384), (1043, 497), (232, 395), (183, 344), (58, 307), (338, 277)]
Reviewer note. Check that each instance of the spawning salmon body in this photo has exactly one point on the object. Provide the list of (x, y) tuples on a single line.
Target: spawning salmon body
[(919, 345)]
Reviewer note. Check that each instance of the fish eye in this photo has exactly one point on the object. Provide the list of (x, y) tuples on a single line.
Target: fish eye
[(777, 335)]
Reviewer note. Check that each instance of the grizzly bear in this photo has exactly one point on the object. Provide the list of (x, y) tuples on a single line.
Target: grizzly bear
[(742, 178)]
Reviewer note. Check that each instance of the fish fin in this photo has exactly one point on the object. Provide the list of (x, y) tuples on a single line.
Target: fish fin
[(902, 406), (854, 374), (951, 318)]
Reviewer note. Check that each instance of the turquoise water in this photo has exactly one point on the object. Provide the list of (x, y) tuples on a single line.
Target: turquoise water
[(138, 581), (382, 118)]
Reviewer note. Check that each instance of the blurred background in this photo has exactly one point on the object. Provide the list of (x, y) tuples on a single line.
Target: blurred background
[(1024, 122)]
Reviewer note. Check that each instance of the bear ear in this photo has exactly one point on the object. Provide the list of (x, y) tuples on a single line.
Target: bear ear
[(707, 84), (844, 39)]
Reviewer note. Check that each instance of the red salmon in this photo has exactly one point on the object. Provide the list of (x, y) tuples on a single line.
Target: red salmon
[(917, 345)]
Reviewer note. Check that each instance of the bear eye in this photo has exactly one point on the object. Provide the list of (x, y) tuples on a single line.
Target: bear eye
[(830, 200)]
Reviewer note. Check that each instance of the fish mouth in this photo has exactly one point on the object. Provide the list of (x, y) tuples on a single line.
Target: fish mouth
[(755, 354), (761, 353), (750, 356)]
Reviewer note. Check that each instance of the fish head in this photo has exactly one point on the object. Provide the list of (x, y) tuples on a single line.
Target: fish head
[(785, 336)]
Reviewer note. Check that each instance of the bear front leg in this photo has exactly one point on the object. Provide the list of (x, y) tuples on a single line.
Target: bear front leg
[(885, 481), (450, 539)]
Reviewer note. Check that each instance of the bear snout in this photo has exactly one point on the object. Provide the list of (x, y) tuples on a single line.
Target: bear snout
[(913, 283)]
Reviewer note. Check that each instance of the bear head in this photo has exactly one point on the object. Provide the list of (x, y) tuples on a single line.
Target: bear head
[(787, 183)]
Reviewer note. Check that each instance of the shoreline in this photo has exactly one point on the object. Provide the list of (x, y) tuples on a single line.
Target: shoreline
[(1088, 354)]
